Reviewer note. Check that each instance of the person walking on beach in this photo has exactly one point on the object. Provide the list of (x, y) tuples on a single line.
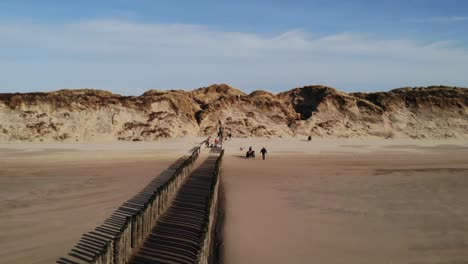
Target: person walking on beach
[(264, 152)]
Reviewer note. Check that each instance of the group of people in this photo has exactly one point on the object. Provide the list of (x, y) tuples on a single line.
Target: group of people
[(251, 153), (220, 138)]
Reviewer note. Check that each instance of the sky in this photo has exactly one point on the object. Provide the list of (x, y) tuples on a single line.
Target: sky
[(130, 46)]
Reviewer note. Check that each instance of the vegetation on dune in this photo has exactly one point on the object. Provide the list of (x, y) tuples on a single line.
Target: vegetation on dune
[(86, 114)]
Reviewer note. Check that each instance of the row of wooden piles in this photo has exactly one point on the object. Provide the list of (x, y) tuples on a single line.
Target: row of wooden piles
[(116, 248)]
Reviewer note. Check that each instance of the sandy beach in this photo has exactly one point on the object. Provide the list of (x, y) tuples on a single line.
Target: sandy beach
[(325, 201), (50, 194), (346, 201)]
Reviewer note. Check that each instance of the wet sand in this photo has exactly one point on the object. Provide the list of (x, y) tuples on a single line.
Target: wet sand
[(346, 201), (50, 194)]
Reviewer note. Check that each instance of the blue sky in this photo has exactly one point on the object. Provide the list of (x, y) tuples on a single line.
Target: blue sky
[(131, 46)]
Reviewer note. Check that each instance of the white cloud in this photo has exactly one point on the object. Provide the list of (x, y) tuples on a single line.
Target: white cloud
[(129, 57), (449, 19)]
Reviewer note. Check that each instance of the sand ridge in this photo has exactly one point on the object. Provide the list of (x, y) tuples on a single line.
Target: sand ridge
[(86, 115)]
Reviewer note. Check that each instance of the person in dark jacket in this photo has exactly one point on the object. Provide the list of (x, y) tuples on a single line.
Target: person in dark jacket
[(250, 153), (264, 152)]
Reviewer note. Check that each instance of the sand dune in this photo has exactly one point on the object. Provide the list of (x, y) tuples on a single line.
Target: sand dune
[(436, 112)]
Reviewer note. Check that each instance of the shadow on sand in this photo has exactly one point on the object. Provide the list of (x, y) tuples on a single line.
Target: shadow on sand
[(178, 234), (91, 243)]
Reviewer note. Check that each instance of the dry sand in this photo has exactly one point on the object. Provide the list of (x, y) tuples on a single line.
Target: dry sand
[(347, 201), (50, 194), (325, 201)]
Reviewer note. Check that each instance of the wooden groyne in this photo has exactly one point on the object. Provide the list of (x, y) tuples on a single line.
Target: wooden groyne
[(207, 243), (185, 233), (129, 233)]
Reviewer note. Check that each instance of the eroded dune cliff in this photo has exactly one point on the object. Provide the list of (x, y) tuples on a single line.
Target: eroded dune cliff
[(94, 115)]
